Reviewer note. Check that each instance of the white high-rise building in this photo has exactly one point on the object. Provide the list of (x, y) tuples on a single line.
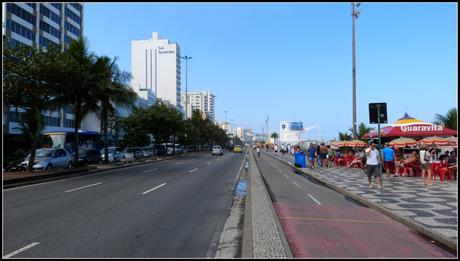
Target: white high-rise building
[(155, 67), (202, 100), (240, 133)]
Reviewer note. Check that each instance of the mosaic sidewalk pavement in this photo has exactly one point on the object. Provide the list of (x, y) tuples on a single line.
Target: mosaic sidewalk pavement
[(434, 207)]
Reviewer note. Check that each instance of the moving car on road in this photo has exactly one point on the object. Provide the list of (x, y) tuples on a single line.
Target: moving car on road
[(217, 150), (48, 159), (238, 149)]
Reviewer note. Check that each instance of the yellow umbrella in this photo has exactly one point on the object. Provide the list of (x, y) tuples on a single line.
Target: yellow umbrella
[(340, 143), (356, 143), (403, 142), (439, 141)]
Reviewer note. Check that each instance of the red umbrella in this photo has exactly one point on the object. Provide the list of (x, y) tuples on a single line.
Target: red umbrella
[(411, 127), (403, 142), (439, 141), (453, 141)]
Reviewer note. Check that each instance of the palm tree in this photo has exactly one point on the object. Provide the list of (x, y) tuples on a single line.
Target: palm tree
[(361, 130), (79, 76), (344, 136), (113, 90), (449, 120), (274, 136)]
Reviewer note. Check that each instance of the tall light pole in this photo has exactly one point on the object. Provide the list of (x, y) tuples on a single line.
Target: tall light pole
[(354, 16), (186, 82)]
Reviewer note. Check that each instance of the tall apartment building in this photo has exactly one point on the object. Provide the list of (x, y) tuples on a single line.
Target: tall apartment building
[(155, 67), (38, 25), (202, 100)]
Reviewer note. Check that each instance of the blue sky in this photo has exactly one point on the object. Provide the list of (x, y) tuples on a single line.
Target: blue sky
[(293, 61)]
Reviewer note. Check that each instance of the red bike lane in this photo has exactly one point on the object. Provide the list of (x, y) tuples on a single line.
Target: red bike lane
[(349, 231)]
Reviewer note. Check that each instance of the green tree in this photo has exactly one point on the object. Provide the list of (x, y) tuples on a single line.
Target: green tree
[(345, 136), (134, 127), (449, 120), (361, 130), (274, 136), (29, 84), (79, 76), (113, 91)]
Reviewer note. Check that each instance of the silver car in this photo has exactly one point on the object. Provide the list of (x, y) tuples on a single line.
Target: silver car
[(115, 154), (48, 159), (217, 150)]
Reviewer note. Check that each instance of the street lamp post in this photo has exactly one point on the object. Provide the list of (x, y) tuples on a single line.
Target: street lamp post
[(354, 16), (186, 82)]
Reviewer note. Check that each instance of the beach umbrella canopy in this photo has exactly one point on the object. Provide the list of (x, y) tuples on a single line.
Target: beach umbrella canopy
[(403, 142), (411, 127), (356, 143), (452, 141), (340, 143), (439, 141)]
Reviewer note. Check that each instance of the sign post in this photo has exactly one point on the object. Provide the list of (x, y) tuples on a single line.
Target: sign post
[(380, 117)]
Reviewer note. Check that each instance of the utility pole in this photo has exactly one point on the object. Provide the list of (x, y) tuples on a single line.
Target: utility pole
[(266, 127), (354, 16), (186, 82)]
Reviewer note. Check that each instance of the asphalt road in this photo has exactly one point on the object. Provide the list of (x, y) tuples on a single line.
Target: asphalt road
[(173, 208), (321, 223)]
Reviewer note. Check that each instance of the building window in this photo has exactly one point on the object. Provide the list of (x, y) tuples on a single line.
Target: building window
[(72, 29), (51, 121), (72, 16), (16, 116), (50, 14), (68, 109), (18, 11), (49, 29), (33, 5), (69, 123), (19, 29), (47, 42), (77, 6), (57, 5)]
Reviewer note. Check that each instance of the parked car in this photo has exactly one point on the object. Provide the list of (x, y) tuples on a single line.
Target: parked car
[(160, 150), (48, 159), (176, 148), (217, 150), (115, 154), (89, 156), (132, 154), (147, 152)]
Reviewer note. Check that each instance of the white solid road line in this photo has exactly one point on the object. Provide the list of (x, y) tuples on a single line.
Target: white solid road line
[(148, 191), (314, 199), (151, 170), (193, 170), (296, 184), (21, 250), (72, 190)]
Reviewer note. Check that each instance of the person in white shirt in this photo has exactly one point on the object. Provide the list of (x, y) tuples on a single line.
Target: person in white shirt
[(372, 166)]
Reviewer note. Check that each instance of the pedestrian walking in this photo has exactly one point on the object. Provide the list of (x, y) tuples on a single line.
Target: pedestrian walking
[(372, 167), (425, 160), (258, 152), (388, 156), (311, 155)]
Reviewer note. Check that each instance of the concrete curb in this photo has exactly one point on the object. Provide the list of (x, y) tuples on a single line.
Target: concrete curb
[(12, 183), (448, 243), (265, 242)]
